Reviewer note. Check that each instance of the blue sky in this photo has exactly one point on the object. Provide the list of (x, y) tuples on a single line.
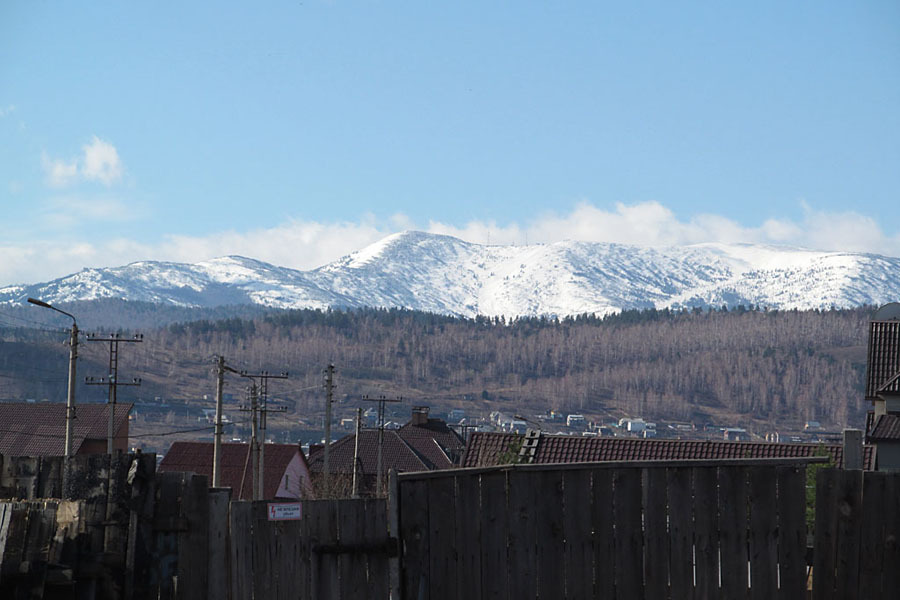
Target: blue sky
[(297, 132)]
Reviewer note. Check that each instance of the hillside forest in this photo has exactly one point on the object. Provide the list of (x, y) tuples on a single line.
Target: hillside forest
[(746, 366)]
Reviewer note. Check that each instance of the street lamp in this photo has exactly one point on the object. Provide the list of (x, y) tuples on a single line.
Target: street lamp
[(73, 354)]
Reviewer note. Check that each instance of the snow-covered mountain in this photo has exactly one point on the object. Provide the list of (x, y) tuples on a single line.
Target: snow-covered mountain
[(443, 274)]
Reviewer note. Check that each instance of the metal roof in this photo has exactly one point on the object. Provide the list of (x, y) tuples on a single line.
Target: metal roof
[(486, 449), (39, 429)]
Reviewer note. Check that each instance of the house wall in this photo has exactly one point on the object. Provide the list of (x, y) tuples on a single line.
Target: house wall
[(294, 480), (98, 446)]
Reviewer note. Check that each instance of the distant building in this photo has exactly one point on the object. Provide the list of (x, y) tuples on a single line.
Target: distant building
[(423, 444), (39, 428), (883, 387), (286, 475), (736, 434)]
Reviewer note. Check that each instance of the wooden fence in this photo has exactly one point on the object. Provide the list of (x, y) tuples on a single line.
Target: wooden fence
[(129, 532), (339, 549), (857, 535), (704, 529)]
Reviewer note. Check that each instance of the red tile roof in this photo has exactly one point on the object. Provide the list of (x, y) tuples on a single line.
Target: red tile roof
[(885, 428), (197, 457), (485, 449), (39, 429), (883, 364)]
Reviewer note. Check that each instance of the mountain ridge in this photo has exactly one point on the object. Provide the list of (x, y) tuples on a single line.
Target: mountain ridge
[(446, 275)]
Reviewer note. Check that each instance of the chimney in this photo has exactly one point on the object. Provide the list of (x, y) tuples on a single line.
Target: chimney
[(419, 415)]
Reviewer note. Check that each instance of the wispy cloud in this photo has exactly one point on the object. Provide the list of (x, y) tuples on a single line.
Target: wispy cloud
[(309, 244), (7, 110), (99, 161)]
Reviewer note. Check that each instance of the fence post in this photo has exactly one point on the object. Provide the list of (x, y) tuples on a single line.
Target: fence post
[(853, 449), (394, 530)]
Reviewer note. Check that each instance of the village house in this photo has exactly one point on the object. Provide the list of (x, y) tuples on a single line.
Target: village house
[(423, 444), (39, 428), (883, 387), (286, 474)]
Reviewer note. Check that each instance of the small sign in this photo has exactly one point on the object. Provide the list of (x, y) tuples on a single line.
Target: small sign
[(285, 511)]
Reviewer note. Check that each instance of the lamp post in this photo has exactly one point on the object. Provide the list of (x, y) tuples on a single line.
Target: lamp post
[(73, 354)]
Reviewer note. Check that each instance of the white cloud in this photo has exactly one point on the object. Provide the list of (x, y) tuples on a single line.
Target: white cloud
[(309, 244), (99, 161), (59, 173), (4, 112)]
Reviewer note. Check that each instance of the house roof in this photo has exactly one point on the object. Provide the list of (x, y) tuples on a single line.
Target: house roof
[(485, 449), (39, 429), (440, 445), (396, 454), (883, 364), (885, 428), (197, 457)]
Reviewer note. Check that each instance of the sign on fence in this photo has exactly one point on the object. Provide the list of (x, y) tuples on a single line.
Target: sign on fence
[(285, 511)]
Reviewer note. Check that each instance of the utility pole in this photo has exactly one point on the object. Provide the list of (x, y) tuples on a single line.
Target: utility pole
[(259, 409), (112, 380), (217, 440), (329, 397), (70, 395), (356, 454), (379, 464)]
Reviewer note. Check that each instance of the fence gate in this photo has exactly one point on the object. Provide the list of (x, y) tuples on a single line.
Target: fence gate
[(685, 529), (338, 549)]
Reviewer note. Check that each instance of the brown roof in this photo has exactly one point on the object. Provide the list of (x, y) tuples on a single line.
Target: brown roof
[(396, 454), (485, 449), (39, 429), (411, 448), (885, 428), (197, 457), (440, 445), (883, 365)]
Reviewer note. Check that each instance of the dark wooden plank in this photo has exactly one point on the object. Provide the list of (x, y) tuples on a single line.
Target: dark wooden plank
[(871, 550), (791, 531), (604, 539), (706, 532), (351, 532), (763, 533), (326, 575), (629, 534), (443, 558), (217, 542), (850, 489), (494, 536), (551, 547), (733, 531), (240, 533), (193, 544), (656, 534), (50, 477), (376, 532), (681, 533), (522, 524), (139, 557), (414, 511), (578, 557), (288, 571), (826, 539), (14, 538), (40, 531), (468, 536), (890, 581)]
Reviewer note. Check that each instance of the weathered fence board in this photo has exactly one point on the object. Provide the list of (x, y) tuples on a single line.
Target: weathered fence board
[(578, 551), (791, 531), (676, 530), (494, 534), (468, 537)]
